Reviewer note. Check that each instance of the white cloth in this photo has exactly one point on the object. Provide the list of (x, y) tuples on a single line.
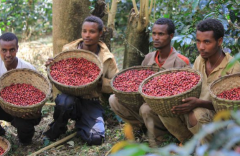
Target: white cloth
[(21, 64)]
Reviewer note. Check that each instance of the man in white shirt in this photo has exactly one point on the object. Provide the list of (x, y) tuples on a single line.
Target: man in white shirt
[(9, 61)]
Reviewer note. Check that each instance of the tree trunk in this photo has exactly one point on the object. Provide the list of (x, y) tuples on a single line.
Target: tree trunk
[(99, 11), (137, 43), (68, 16)]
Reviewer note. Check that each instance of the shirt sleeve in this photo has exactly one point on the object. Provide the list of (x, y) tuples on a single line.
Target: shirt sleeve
[(111, 72)]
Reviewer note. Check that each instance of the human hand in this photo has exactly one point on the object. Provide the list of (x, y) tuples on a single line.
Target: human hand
[(188, 105), (31, 115), (49, 61)]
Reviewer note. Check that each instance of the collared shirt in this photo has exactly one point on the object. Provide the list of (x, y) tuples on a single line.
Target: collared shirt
[(174, 60), (157, 59), (200, 65), (21, 64), (109, 67)]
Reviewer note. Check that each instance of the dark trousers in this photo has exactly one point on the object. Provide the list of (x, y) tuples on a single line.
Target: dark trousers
[(88, 115), (25, 127)]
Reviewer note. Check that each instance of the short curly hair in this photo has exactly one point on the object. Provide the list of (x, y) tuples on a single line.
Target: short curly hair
[(8, 36), (171, 26), (95, 19), (211, 25)]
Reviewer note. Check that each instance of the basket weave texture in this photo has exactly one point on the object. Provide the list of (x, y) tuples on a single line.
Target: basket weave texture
[(163, 105), (132, 99), (76, 90), (222, 84), (27, 76), (5, 144)]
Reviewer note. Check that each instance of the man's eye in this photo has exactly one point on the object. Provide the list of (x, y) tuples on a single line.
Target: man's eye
[(12, 50)]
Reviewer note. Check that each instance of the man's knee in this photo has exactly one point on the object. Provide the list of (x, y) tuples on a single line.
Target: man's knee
[(64, 105), (145, 110), (112, 100), (192, 119), (201, 115), (65, 101)]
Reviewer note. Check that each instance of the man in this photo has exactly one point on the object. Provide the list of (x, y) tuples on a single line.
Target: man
[(165, 57), (211, 62), (86, 110), (8, 61)]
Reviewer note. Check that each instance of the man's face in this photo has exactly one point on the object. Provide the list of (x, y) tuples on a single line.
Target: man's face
[(90, 33), (8, 51), (160, 36), (206, 43)]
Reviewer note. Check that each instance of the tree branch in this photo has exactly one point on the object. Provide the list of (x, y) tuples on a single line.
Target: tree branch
[(146, 17), (151, 6), (135, 7), (112, 14)]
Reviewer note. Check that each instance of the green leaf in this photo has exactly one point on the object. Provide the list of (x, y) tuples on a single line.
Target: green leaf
[(178, 37), (187, 40), (231, 63), (195, 4), (166, 15)]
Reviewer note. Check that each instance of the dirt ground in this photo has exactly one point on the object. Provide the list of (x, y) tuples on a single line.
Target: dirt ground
[(37, 52)]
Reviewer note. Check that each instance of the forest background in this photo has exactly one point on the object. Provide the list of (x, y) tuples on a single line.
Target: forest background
[(129, 23)]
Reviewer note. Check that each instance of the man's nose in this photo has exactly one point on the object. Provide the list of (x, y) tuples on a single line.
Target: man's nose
[(201, 46), (155, 38), (8, 53)]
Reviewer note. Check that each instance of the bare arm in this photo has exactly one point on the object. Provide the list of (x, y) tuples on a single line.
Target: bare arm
[(190, 104)]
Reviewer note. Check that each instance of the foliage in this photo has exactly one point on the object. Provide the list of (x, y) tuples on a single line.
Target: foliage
[(186, 14), (26, 17), (225, 141)]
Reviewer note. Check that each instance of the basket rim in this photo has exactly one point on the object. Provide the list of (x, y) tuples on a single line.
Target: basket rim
[(34, 72), (163, 72), (8, 143), (217, 81), (74, 51), (124, 70)]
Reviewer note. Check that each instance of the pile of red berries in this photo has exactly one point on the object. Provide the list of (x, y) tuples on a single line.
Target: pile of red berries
[(22, 94), (171, 84), (74, 71)]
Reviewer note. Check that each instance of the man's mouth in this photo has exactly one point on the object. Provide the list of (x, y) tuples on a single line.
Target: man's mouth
[(87, 40)]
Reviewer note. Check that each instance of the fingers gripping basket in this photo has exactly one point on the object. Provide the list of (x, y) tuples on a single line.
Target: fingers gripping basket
[(77, 90), (132, 99), (163, 105), (5, 145), (27, 76), (222, 84)]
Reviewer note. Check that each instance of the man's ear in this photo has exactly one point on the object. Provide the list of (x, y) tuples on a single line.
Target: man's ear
[(220, 41), (171, 35), (101, 33)]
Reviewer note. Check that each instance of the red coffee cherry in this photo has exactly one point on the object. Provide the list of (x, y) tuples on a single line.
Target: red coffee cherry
[(1, 151), (74, 71), (22, 94), (171, 84), (232, 94), (130, 80)]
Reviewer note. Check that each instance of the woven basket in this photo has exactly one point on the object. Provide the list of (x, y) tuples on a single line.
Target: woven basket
[(27, 76), (163, 105), (5, 144), (132, 99), (222, 84), (76, 90)]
